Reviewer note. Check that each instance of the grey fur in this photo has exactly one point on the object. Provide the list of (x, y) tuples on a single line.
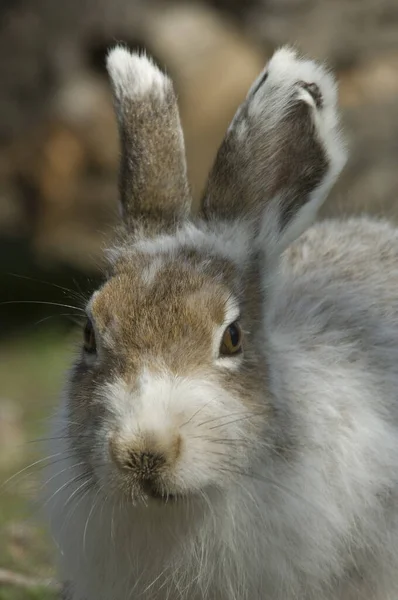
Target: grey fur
[(296, 497)]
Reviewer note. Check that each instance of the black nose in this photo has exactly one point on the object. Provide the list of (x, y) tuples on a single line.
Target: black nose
[(146, 464)]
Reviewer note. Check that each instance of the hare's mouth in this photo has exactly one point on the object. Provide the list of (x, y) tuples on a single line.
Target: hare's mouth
[(160, 494)]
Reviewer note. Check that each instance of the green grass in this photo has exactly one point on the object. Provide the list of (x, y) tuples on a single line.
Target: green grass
[(15, 593), (31, 375)]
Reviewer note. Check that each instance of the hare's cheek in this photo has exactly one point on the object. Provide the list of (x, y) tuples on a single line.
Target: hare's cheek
[(187, 430), (213, 457)]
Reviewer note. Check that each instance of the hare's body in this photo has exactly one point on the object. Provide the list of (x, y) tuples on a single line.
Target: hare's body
[(320, 521), (198, 462)]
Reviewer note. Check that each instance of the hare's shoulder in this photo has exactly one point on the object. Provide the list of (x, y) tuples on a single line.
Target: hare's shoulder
[(353, 249), (339, 282), (341, 276)]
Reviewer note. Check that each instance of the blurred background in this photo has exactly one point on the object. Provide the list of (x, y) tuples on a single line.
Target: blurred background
[(58, 167)]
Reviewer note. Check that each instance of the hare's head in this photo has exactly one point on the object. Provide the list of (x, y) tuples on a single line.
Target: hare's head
[(169, 395)]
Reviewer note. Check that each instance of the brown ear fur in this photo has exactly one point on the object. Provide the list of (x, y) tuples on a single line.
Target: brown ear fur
[(153, 184), (282, 150), (250, 172)]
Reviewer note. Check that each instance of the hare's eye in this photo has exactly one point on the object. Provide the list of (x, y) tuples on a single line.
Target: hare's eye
[(90, 345), (231, 342)]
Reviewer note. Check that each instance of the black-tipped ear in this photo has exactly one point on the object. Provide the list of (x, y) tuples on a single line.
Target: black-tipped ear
[(153, 183), (282, 152)]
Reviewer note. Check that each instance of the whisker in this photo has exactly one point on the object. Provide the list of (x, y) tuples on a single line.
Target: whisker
[(61, 437), (79, 494), (55, 317), (251, 416), (67, 483), (155, 580), (230, 441), (243, 412), (83, 295), (77, 490), (88, 519), (77, 308), (41, 460), (60, 473), (77, 295), (277, 485), (195, 413)]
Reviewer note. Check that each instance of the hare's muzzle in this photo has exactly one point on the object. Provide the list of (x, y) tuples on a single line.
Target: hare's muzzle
[(147, 460)]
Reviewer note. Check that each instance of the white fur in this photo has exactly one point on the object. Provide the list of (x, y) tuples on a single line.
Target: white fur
[(293, 494), (160, 404), (285, 71), (230, 363), (134, 75), (152, 271), (231, 311), (228, 240), (258, 538)]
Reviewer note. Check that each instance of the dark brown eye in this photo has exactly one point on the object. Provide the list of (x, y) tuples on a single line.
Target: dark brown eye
[(232, 340), (90, 345)]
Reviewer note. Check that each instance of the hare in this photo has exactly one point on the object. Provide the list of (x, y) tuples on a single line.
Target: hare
[(229, 429)]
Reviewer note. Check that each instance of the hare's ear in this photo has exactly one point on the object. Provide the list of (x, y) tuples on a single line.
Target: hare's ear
[(153, 183), (281, 154)]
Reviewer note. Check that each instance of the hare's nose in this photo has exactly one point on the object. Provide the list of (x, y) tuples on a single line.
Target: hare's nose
[(145, 463), (144, 456)]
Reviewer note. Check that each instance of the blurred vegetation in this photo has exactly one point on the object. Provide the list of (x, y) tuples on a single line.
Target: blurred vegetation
[(58, 170), (31, 367)]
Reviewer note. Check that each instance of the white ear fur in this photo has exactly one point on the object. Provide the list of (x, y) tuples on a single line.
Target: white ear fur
[(284, 71), (153, 182), (134, 75), (282, 152)]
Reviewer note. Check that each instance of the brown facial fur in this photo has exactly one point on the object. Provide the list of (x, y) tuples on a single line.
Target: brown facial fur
[(170, 320), (166, 323)]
